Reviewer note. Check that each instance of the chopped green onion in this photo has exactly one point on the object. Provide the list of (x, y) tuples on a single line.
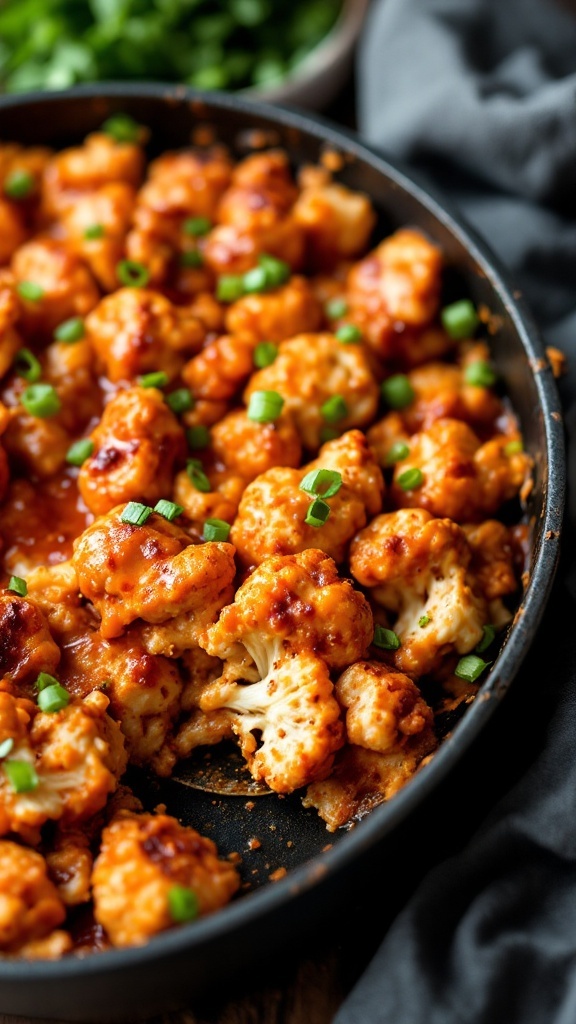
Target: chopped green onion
[(132, 274), (410, 479), (19, 184), (336, 308), (17, 586), (277, 271), (480, 374), (6, 747), (21, 775), (27, 366), (122, 128), (470, 668), (423, 621), (349, 334), (318, 512), (387, 639), (513, 447), (264, 354), (216, 529), (180, 401), (323, 483), (41, 400), (196, 226), (460, 319), (135, 513), (197, 476), (53, 698), (328, 434), (397, 453), (30, 290), (488, 635), (198, 437), (157, 379), (265, 406), (70, 330), (45, 679), (182, 904), (168, 509), (94, 231), (191, 258), (255, 280), (79, 452), (334, 409), (230, 287), (398, 391)]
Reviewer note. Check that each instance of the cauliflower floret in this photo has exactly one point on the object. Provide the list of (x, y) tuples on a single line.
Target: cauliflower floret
[(309, 370), (10, 340), (54, 590), (77, 753), (461, 478), (247, 449), (26, 646), (418, 567), (109, 208), (68, 288), (142, 859), (12, 231), (288, 723), (493, 566), (98, 162), (271, 515), (397, 283), (153, 572), (70, 863), (136, 331), (30, 906), (136, 445), (276, 315), (337, 222), (220, 370), (384, 709), (220, 502), (200, 728), (36, 446)]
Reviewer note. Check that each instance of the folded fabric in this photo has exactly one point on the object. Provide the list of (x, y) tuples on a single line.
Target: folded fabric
[(479, 96)]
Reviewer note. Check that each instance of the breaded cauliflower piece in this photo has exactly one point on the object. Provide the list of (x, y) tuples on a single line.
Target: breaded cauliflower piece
[(397, 283), (137, 443), (71, 370), (247, 449), (68, 288), (418, 569), (309, 370), (136, 331), (337, 222), (36, 446), (220, 370), (77, 753), (70, 864), (98, 162), (12, 231), (109, 207), (493, 557), (220, 502), (462, 478), (274, 316), (10, 340), (201, 728), (30, 906), (142, 859), (152, 572), (384, 709), (26, 646), (271, 515), (54, 590)]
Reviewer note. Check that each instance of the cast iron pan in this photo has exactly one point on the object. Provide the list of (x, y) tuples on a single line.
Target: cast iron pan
[(269, 915)]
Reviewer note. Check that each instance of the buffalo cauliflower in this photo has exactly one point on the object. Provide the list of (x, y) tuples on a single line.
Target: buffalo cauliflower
[(67, 286), (276, 315), (27, 647), (30, 905), (337, 222)]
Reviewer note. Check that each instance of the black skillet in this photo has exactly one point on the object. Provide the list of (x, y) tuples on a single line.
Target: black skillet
[(269, 916)]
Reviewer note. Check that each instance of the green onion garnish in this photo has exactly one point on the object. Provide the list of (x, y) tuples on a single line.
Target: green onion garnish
[(488, 635), (398, 391), (198, 437), (182, 904), (460, 319), (410, 479), (191, 258), (180, 401), (70, 330), (41, 400), (168, 509), (513, 447), (387, 639), (276, 271), (397, 452), (334, 409), (470, 668), (216, 529), (255, 280), (6, 747), (29, 290), (53, 698), (21, 775), (264, 406), (349, 334), (79, 452), (480, 374), (135, 513), (94, 231), (132, 274), (196, 226), (230, 287), (44, 679), (19, 184), (122, 128), (264, 354), (423, 621), (323, 483), (27, 366), (17, 586), (197, 476), (336, 308), (318, 512), (157, 379)]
